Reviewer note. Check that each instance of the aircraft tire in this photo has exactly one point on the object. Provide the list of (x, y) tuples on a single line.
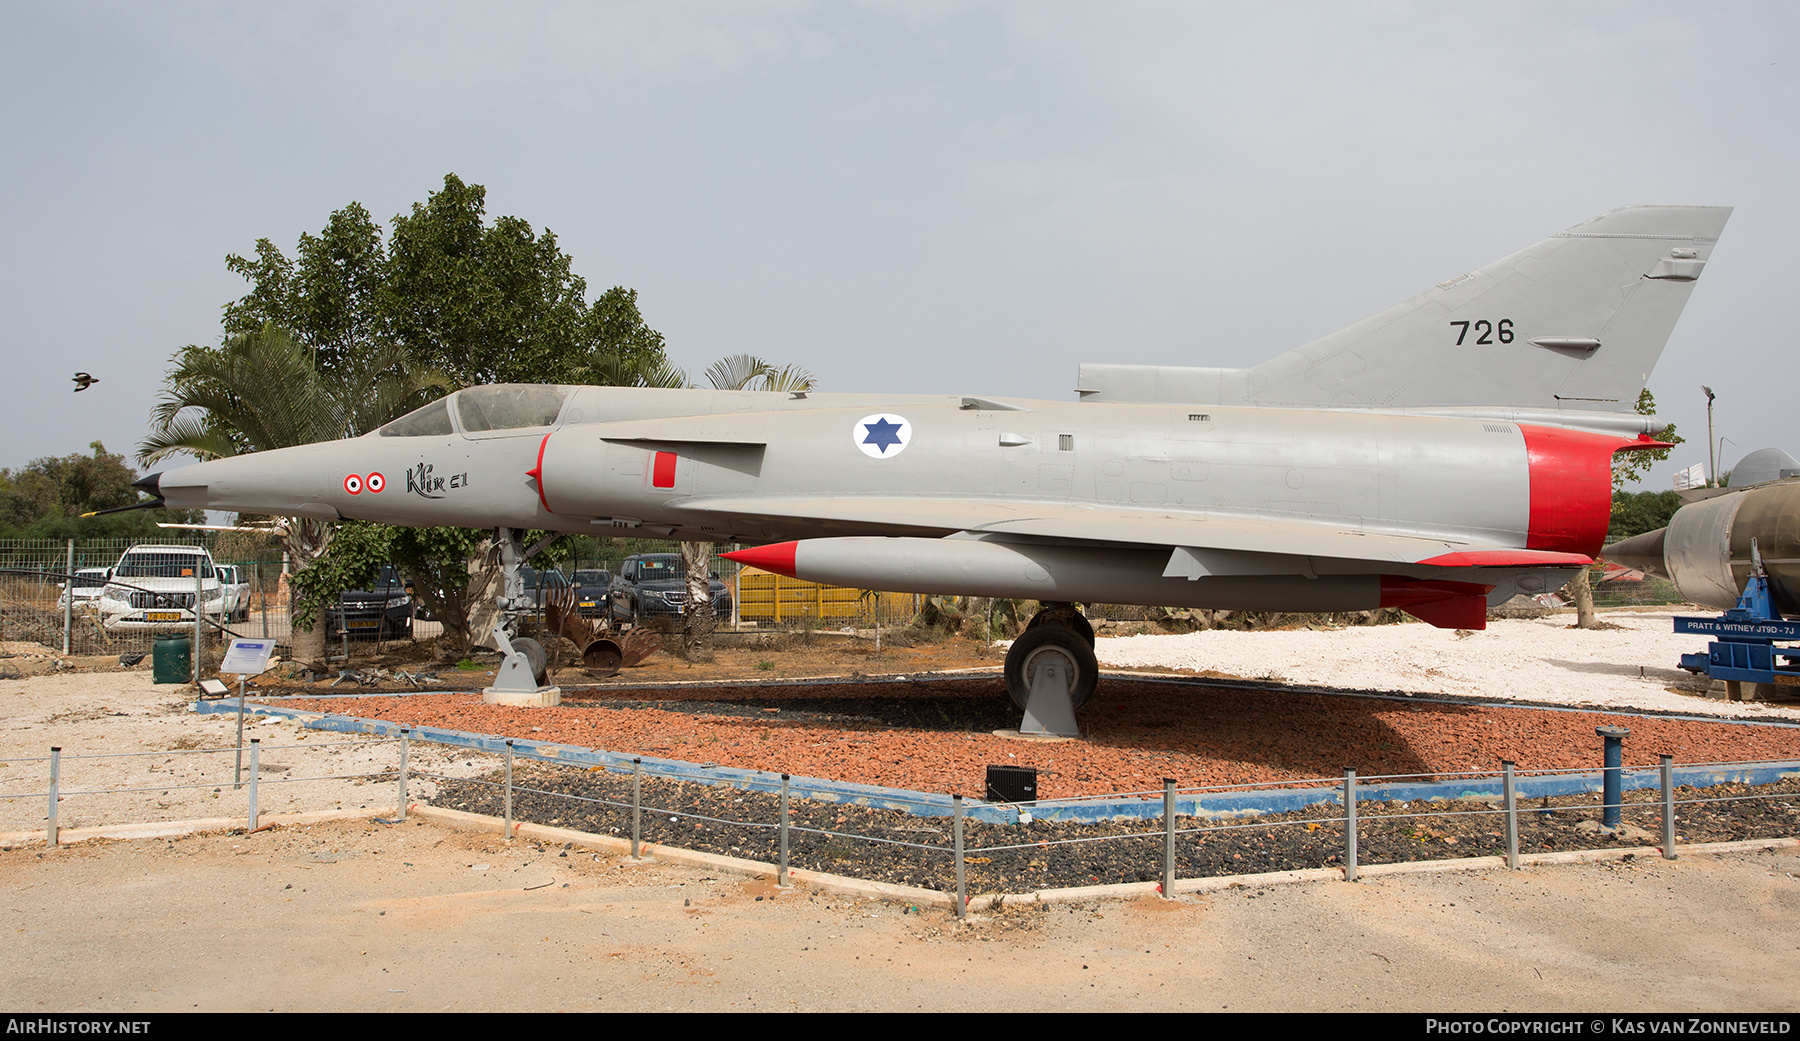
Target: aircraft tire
[(1077, 622), (1059, 640), (534, 653)]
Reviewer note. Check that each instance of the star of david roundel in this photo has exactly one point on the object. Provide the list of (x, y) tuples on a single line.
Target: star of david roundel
[(881, 436)]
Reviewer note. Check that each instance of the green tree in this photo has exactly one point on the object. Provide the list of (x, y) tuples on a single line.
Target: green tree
[(482, 302), (332, 299), (1630, 467), (47, 497), (431, 559), (1634, 513), (748, 372), (448, 299), (261, 390)]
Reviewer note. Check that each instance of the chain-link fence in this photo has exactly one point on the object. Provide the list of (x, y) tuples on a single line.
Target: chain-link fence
[(116, 596), (1166, 840)]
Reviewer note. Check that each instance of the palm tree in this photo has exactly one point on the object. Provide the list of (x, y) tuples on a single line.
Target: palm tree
[(262, 390), (748, 372)]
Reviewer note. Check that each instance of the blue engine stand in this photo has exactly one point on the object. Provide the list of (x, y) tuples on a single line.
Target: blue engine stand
[(1744, 650)]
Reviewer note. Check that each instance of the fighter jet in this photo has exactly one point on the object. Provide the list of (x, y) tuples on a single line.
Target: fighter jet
[(1440, 456)]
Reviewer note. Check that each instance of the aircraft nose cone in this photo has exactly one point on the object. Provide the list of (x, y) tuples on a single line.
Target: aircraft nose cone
[(150, 484)]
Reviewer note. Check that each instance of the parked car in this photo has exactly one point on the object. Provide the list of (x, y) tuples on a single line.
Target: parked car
[(591, 585), (85, 588), (384, 611), (153, 587), (237, 593), (653, 586), (537, 583)]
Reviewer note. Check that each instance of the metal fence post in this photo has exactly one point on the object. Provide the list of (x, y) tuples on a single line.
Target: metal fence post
[(1510, 799), (962, 887), (262, 597), (1349, 825), (68, 596), (255, 773), (509, 786), (637, 804), (237, 769), (1611, 774), (55, 777), (781, 875), (198, 609), (405, 732), (1168, 881), (1668, 807)]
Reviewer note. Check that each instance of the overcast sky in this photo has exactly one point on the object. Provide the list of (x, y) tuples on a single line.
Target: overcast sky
[(935, 197)]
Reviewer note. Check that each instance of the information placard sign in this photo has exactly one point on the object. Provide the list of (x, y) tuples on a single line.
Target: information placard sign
[(247, 657)]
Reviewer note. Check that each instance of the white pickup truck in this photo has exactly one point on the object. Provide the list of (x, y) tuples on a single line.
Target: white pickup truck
[(153, 587), (237, 592)]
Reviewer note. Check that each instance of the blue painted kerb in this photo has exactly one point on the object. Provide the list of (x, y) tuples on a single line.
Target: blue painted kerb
[(928, 804)]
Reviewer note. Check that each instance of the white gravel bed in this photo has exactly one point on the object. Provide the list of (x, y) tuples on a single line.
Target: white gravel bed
[(1543, 659)]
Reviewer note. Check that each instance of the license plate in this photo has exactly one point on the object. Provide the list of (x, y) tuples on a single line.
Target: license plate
[(589, 603), (162, 616), (363, 623)]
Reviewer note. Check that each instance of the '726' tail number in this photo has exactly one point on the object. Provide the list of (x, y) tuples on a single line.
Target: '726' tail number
[(1485, 331)]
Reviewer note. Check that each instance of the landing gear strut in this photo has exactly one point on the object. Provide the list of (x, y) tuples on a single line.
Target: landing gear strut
[(1051, 670), (520, 680)]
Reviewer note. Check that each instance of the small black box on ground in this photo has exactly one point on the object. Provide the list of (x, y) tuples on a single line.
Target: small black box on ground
[(1012, 784)]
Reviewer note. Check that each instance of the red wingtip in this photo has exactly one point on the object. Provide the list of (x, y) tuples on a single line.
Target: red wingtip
[(778, 558)]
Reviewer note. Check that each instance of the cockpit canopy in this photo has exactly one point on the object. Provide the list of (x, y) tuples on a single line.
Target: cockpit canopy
[(502, 406)]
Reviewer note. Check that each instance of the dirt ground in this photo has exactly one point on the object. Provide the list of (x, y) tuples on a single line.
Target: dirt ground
[(359, 916)]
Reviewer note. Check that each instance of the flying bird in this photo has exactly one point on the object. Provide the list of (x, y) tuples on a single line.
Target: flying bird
[(83, 381)]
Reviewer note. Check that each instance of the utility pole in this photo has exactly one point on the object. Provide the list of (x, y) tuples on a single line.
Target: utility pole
[(1712, 448)]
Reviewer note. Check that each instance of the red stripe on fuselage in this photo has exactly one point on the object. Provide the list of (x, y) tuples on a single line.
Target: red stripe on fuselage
[(662, 472), (536, 473), (1571, 487)]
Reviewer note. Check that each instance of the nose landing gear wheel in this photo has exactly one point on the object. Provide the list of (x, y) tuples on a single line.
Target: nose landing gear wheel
[(534, 653)]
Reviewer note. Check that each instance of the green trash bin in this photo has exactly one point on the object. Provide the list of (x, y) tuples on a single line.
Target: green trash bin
[(172, 661)]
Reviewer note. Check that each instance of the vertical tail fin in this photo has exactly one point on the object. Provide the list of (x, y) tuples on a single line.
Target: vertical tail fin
[(1576, 321)]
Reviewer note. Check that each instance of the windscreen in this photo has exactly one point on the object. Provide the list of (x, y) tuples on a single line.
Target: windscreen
[(509, 406), (433, 419), (158, 565)]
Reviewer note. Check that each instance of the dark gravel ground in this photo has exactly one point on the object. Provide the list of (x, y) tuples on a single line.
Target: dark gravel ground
[(882, 845)]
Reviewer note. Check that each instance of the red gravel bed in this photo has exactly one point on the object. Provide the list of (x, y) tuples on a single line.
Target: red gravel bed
[(934, 736)]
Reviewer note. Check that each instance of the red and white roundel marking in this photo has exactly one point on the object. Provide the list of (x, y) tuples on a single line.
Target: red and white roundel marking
[(353, 484), (375, 482)]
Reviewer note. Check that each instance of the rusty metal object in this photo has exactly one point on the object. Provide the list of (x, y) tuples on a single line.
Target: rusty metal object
[(602, 658), (601, 655)]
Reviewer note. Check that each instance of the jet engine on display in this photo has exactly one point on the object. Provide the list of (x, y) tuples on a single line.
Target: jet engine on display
[(1707, 548), (1441, 456)]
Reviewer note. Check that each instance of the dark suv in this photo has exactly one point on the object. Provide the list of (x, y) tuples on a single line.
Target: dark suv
[(653, 586), (384, 611), (591, 585)]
